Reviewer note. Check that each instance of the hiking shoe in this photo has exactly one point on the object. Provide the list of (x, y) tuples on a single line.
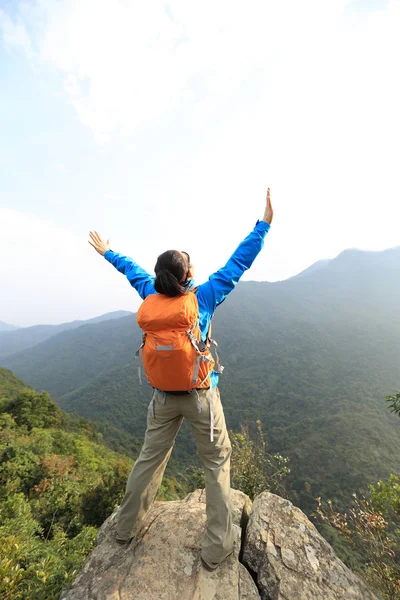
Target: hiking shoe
[(122, 542), (209, 566)]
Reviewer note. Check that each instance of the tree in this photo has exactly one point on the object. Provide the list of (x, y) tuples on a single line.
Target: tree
[(253, 468), (31, 409), (367, 527), (394, 402), (372, 526)]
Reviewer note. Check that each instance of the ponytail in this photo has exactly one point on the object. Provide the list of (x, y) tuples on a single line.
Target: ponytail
[(171, 273), (166, 283)]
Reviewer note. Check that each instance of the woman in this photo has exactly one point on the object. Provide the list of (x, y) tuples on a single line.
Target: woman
[(203, 409)]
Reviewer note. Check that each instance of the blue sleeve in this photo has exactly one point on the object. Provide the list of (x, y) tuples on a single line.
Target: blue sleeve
[(142, 281), (214, 291)]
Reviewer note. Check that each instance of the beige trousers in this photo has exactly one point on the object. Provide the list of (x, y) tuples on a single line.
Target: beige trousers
[(165, 416)]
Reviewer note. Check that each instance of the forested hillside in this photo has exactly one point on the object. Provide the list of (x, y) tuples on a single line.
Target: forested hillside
[(58, 483), (71, 358), (13, 339), (312, 357)]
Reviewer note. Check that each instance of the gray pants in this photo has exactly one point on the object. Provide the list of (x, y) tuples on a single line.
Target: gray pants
[(164, 419)]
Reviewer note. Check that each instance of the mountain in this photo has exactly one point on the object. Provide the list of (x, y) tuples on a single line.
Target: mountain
[(7, 327), (27, 337), (59, 482), (74, 357), (10, 385), (312, 357), (116, 314), (115, 397), (314, 267)]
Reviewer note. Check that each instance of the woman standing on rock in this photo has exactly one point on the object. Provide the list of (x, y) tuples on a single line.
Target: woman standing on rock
[(176, 320)]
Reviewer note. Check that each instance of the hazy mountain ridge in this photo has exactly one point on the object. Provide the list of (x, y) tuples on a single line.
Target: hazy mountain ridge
[(22, 338), (71, 358), (312, 357), (7, 327), (320, 264)]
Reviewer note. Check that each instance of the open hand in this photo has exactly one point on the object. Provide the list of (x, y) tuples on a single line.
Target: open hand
[(269, 213), (98, 244)]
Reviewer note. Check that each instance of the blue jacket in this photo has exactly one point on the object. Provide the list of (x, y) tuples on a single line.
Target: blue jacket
[(209, 294)]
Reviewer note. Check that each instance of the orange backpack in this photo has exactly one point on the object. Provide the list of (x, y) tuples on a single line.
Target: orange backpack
[(174, 357)]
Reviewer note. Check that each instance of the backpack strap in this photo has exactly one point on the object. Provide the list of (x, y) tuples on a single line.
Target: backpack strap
[(200, 347), (219, 368), (199, 407), (211, 416), (137, 358)]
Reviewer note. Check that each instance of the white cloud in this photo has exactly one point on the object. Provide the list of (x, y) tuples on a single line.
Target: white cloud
[(288, 94), (14, 33), (132, 62), (328, 88), (61, 168)]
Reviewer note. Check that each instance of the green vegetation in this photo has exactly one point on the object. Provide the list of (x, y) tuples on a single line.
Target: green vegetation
[(16, 339), (253, 468), (310, 357), (394, 403), (58, 483), (372, 528), (317, 394), (10, 385), (70, 359)]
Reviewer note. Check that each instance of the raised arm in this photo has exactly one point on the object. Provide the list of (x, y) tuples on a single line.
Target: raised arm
[(221, 283), (142, 281)]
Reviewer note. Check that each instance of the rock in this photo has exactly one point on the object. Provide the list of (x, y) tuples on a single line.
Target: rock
[(281, 548), (163, 561), (291, 560)]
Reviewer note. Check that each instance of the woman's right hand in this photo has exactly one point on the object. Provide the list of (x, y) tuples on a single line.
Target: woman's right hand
[(269, 213), (98, 244)]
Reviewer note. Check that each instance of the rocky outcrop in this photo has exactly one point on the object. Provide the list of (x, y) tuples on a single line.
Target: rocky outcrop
[(281, 552), (291, 560), (163, 562)]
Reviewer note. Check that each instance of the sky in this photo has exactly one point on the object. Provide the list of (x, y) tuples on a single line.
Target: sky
[(161, 125)]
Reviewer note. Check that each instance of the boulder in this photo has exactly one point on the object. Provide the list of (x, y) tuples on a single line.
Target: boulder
[(291, 560), (163, 561), (281, 556)]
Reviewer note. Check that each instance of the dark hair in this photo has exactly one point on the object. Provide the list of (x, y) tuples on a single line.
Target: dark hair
[(171, 273)]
